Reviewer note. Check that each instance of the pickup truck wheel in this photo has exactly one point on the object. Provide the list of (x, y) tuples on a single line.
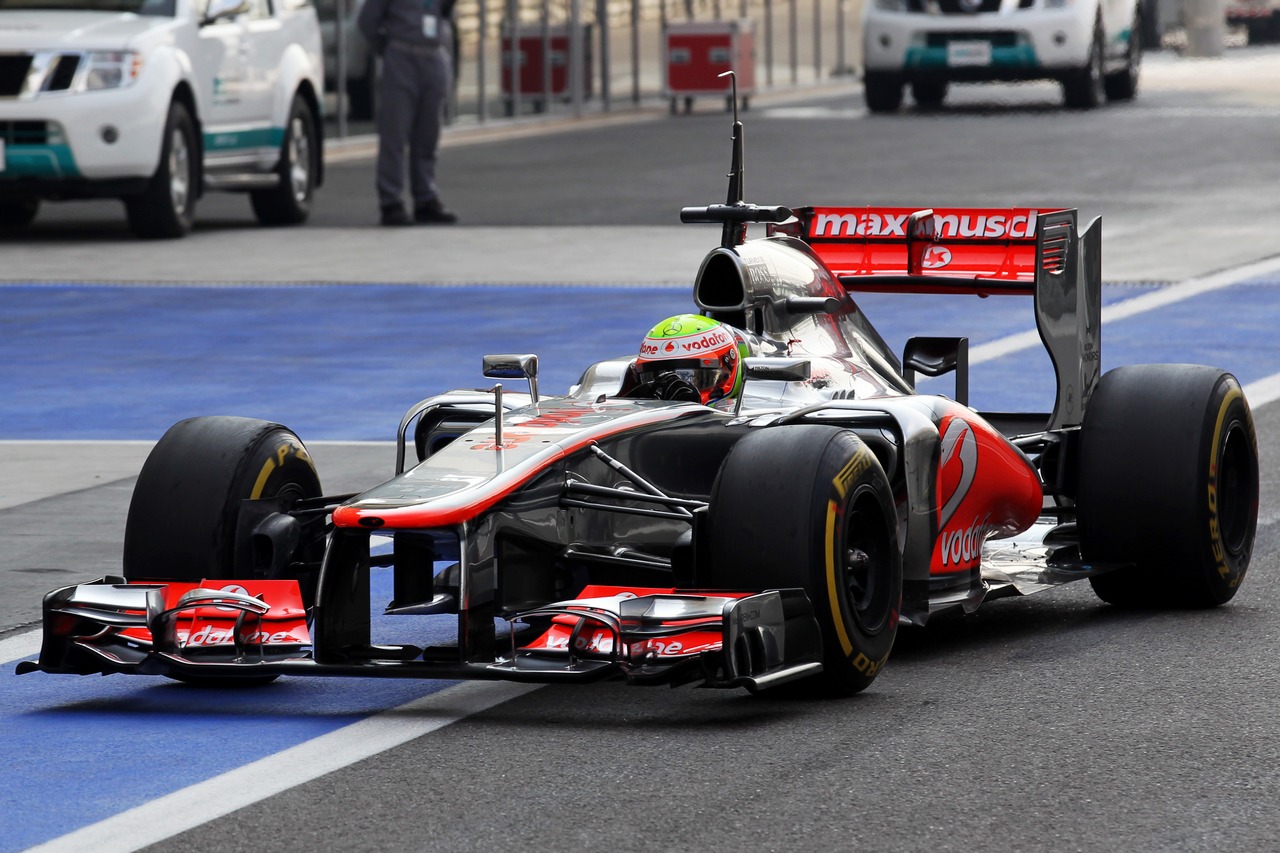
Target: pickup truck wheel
[(289, 202), (809, 506), (1083, 89), (882, 91), (1168, 485), (16, 214), (1123, 85), (166, 208), (929, 94), (187, 502)]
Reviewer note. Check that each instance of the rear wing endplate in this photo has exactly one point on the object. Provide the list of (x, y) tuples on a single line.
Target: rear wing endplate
[(982, 251)]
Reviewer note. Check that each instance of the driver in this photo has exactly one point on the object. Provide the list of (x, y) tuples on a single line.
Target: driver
[(691, 358)]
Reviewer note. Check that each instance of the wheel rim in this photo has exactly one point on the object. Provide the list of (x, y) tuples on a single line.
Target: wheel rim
[(179, 171), (866, 553), (1236, 490), (299, 159)]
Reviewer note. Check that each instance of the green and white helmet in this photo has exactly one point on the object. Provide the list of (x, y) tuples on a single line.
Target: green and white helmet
[(699, 351)]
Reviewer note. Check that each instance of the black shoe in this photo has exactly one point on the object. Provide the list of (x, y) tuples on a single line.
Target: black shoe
[(434, 213), (395, 215)]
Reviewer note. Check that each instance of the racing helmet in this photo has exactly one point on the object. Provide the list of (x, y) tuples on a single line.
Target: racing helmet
[(691, 357)]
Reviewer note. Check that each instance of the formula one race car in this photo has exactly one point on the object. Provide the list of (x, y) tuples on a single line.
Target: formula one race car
[(758, 498)]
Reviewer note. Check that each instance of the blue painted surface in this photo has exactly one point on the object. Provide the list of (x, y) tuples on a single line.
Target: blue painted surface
[(339, 362), (345, 362), (80, 749), (330, 362)]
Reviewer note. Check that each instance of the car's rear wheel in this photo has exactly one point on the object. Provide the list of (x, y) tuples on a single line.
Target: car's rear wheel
[(810, 506), (166, 208), (1168, 485), (1084, 88), (289, 202), (16, 214), (883, 91), (1123, 84), (929, 94)]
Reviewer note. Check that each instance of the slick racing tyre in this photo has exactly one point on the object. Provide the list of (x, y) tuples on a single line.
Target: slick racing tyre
[(186, 504), (1168, 485), (809, 506)]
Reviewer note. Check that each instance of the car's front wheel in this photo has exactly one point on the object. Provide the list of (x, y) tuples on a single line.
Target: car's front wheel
[(166, 208), (187, 502), (289, 202), (809, 506)]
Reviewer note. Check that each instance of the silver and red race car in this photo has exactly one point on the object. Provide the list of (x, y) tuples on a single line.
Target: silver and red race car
[(775, 535)]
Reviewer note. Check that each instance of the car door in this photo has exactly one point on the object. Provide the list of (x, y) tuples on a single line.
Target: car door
[(268, 38), (223, 57)]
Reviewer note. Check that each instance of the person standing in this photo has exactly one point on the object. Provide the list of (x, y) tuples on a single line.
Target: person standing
[(414, 39)]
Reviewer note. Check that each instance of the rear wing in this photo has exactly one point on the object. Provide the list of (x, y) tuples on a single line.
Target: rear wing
[(982, 251)]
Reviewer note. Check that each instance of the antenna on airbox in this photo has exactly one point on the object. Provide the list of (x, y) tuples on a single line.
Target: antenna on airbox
[(735, 232), (735, 214)]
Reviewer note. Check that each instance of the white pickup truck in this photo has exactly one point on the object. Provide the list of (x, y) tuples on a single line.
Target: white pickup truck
[(154, 102), (1092, 47)]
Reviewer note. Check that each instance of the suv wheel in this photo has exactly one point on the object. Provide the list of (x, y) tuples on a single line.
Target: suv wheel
[(166, 208), (289, 202)]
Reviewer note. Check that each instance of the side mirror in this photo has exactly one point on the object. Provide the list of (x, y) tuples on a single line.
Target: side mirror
[(812, 305), (778, 369), (524, 366), (936, 356), (219, 9)]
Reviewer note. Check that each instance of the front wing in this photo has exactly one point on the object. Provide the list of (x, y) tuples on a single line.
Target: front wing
[(256, 629)]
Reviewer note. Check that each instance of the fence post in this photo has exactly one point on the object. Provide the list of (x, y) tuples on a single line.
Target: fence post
[(602, 23), (575, 56), (1206, 27)]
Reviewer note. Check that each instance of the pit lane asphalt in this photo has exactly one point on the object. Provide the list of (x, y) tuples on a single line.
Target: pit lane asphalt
[(1045, 723)]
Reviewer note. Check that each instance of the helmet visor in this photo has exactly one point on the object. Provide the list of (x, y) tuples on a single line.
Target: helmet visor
[(709, 376)]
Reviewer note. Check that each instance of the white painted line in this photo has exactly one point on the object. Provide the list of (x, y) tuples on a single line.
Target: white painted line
[(19, 646), (191, 807), (1263, 391), (1137, 305)]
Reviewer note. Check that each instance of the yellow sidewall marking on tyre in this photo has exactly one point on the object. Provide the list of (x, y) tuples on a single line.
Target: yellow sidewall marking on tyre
[(1215, 530), (833, 596), (261, 482), (852, 469)]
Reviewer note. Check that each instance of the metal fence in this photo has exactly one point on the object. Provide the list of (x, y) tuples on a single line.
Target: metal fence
[(585, 56)]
